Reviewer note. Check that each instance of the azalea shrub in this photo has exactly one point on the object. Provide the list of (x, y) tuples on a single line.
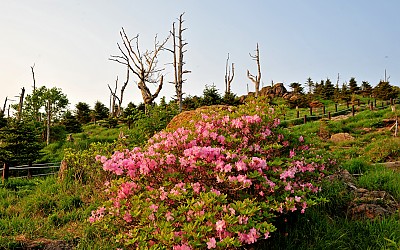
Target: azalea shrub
[(219, 183)]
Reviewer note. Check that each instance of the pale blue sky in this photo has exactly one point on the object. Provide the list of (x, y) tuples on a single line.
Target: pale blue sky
[(70, 42)]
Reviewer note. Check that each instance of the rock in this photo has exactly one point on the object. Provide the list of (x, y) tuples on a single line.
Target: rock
[(340, 137), (184, 118), (366, 204), (316, 104)]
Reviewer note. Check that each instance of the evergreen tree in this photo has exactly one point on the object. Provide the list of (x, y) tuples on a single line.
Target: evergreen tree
[(353, 86), (100, 111), (71, 123), (310, 85), (82, 112), (366, 89), (211, 96), (328, 90), (319, 88), (345, 93), (337, 94), (296, 88), (384, 91), (19, 143), (3, 120)]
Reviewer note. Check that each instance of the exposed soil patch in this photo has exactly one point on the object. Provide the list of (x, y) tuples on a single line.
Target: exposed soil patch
[(45, 244)]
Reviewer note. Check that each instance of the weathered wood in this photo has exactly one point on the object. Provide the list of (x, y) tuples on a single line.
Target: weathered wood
[(142, 64), (228, 76), (6, 171), (256, 79)]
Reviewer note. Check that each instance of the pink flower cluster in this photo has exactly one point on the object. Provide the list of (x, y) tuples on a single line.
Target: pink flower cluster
[(230, 157)]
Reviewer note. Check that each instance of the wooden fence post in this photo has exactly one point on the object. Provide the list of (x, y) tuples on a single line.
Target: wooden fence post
[(335, 107), (6, 170), (324, 109), (358, 102), (352, 110), (375, 103), (310, 111), (305, 119), (30, 169), (329, 115), (347, 104), (298, 114)]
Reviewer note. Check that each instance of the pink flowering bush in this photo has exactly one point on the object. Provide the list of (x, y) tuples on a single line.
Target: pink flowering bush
[(217, 184)]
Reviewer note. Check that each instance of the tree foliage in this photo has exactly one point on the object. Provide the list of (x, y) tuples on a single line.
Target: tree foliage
[(19, 143), (82, 112)]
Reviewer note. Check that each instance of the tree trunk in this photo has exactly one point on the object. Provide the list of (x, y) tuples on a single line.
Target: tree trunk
[(48, 122), (21, 103)]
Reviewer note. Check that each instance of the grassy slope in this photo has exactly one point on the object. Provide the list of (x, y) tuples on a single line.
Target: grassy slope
[(48, 208)]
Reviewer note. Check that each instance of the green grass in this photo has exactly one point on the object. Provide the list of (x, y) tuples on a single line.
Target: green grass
[(379, 177), (48, 208), (327, 227)]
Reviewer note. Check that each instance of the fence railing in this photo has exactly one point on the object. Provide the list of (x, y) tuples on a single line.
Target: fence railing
[(28, 171), (350, 108)]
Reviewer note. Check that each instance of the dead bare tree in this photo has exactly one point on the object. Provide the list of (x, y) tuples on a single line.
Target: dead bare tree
[(142, 64), (21, 103), (256, 79), (113, 97), (4, 106), (228, 76), (116, 113), (33, 76), (178, 51)]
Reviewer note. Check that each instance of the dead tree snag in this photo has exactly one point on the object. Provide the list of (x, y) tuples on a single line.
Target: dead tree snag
[(256, 79), (228, 76), (178, 51), (142, 64)]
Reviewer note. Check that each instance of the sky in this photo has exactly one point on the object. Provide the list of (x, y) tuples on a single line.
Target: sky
[(70, 43)]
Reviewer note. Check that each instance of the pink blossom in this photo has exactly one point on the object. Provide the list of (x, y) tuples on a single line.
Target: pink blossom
[(168, 216), (153, 207), (217, 192), (171, 159), (227, 168), (292, 154), (241, 166), (181, 247), (243, 219), (301, 139), (212, 243), (127, 217), (220, 225), (196, 187)]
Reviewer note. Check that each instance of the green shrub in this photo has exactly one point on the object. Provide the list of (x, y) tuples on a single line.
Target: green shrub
[(219, 184)]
